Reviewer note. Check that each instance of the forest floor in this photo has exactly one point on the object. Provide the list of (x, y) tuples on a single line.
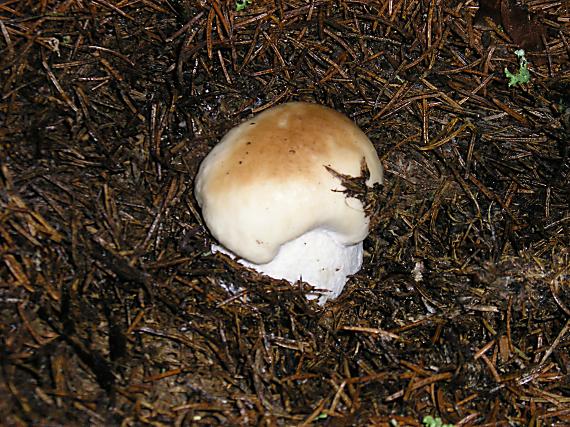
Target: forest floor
[(113, 311)]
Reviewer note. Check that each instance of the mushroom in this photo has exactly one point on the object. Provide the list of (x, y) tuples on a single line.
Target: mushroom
[(271, 194)]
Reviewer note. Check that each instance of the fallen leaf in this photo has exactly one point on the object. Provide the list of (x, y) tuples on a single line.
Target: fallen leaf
[(524, 29)]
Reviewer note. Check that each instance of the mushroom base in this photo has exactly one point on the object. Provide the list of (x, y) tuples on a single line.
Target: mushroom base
[(316, 258)]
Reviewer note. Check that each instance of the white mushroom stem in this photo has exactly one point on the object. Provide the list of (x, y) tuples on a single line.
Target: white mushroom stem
[(316, 257)]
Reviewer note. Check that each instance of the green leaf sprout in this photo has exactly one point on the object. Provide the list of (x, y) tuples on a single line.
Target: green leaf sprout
[(430, 421), (322, 416), (242, 4), (523, 75)]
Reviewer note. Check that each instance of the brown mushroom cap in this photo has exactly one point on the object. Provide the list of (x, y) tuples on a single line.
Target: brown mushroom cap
[(266, 182)]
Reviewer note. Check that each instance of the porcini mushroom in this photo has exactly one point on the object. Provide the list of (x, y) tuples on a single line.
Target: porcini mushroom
[(269, 198)]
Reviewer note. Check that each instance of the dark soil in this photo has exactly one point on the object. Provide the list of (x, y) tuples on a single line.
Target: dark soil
[(113, 311)]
